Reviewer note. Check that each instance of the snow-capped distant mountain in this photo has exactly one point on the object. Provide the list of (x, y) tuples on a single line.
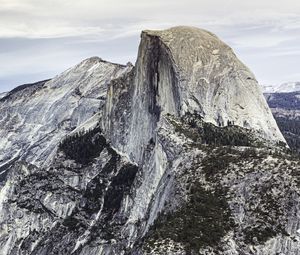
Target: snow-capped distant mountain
[(269, 88), (282, 88), (289, 87), (3, 94)]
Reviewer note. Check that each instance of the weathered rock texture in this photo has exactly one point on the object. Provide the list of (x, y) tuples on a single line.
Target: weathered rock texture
[(186, 69), (35, 117)]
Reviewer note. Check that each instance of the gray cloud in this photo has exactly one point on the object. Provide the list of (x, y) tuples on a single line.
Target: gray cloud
[(39, 39)]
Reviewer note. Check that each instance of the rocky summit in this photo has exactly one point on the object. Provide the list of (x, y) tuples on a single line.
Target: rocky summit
[(179, 154)]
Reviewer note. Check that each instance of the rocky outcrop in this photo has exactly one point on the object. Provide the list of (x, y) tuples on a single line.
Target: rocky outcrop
[(68, 207)]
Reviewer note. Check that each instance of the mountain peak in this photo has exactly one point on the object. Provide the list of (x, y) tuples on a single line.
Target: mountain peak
[(96, 60), (196, 71), (190, 45), (179, 71), (177, 30)]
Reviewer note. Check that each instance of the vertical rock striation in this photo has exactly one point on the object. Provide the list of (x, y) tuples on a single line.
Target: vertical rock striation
[(186, 69), (214, 83), (35, 117)]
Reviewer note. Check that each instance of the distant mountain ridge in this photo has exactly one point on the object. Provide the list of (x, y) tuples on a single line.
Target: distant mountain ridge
[(282, 88), (286, 110), (3, 94)]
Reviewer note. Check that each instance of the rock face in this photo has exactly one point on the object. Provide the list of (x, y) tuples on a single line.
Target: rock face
[(35, 117), (177, 155), (211, 81), (186, 69)]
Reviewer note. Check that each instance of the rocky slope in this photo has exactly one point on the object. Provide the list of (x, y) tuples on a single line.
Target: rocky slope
[(177, 155), (35, 117)]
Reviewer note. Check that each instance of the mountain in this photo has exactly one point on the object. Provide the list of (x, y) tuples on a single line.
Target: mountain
[(186, 70), (282, 88), (179, 154)]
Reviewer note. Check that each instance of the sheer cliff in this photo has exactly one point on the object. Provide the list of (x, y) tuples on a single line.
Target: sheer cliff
[(178, 154), (186, 69)]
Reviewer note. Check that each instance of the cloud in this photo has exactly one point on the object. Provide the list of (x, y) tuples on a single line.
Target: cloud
[(47, 19), (70, 30), (32, 32)]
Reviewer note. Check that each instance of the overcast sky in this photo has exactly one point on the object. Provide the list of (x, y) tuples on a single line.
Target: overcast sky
[(39, 39)]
